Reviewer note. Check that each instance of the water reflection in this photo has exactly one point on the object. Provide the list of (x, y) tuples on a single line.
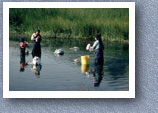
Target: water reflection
[(116, 62), (98, 75), (22, 63), (36, 66), (85, 69), (116, 71), (36, 69)]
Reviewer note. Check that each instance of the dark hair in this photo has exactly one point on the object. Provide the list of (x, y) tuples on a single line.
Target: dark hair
[(22, 40), (37, 31), (98, 36)]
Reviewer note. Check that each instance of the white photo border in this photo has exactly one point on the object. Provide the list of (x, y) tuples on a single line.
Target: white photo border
[(68, 94)]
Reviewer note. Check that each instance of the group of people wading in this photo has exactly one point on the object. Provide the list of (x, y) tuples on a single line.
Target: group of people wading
[(98, 48), (36, 51)]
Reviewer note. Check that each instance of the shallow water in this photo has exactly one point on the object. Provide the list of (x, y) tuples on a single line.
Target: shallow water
[(62, 74)]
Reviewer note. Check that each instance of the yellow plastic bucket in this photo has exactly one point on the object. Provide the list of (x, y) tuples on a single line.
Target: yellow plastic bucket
[(85, 59), (85, 68)]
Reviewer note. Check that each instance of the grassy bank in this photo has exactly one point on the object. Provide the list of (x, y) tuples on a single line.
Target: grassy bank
[(71, 23)]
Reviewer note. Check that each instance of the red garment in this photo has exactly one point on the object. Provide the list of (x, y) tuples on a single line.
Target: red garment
[(22, 45)]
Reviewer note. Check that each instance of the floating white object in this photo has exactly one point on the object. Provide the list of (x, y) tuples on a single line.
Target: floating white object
[(59, 52), (75, 49), (36, 68), (88, 46), (77, 60)]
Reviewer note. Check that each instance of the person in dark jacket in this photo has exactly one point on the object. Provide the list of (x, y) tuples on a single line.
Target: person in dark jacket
[(98, 47), (36, 38), (23, 45)]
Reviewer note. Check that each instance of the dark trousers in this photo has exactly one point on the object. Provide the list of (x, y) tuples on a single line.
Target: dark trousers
[(22, 51), (36, 51), (99, 58)]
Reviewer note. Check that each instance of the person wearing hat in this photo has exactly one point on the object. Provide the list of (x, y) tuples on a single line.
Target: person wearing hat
[(98, 47), (36, 38)]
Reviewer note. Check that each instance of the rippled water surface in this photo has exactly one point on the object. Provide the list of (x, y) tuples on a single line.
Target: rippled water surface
[(62, 74)]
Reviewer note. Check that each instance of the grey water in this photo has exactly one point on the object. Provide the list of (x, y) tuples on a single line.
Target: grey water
[(60, 73)]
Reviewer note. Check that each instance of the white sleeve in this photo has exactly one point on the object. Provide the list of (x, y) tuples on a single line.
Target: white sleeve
[(95, 44), (33, 36)]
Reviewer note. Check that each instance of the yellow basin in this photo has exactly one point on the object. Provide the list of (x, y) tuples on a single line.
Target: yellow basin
[(85, 68), (85, 59)]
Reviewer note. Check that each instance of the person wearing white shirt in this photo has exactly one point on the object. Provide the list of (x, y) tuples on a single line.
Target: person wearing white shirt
[(98, 47)]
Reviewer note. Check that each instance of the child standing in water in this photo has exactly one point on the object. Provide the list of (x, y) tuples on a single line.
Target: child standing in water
[(23, 52), (23, 45)]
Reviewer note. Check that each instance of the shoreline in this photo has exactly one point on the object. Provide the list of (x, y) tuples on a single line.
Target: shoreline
[(48, 38)]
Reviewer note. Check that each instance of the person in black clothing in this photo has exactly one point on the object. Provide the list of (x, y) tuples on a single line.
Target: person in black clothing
[(36, 38), (23, 45)]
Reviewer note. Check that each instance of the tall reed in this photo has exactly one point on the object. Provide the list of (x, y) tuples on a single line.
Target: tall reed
[(112, 23)]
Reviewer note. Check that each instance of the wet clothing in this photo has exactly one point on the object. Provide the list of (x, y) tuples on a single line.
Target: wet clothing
[(36, 51), (22, 62), (22, 49), (99, 58)]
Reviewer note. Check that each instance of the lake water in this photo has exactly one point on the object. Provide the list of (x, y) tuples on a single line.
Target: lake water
[(62, 74)]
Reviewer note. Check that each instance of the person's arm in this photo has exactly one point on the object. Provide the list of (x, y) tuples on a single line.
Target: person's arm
[(38, 39), (26, 42), (91, 47), (33, 37), (94, 45)]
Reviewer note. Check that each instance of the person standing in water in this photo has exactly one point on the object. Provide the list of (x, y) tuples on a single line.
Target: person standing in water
[(36, 38), (98, 47), (23, 45), (23, 52)]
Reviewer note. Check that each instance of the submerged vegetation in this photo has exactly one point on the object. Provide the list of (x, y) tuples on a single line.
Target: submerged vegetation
[(112, 23)]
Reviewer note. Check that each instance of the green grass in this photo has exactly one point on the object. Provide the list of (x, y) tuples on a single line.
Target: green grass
[(113, 24)]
